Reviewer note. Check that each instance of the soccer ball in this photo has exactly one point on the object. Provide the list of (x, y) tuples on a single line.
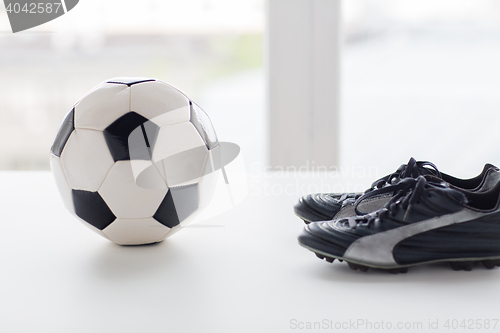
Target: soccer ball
[(134, 160)]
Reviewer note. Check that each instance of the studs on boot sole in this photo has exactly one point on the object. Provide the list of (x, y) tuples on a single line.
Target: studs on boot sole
[(462, 265), (455, 265), (329, 259), (398, 270), (490, 264), (356, 267)]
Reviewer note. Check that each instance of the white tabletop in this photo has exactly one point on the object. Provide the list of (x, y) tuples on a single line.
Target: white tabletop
[(246, 275)]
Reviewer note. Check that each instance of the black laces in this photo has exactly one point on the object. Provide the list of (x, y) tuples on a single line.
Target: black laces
[(406, 194), (412, 169)]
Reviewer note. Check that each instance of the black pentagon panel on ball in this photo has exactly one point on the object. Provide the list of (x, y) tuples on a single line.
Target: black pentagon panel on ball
[(131, 137), (178, 205), (203, 125), (129, 81), (166, 213), (92, 208), (67, 127)]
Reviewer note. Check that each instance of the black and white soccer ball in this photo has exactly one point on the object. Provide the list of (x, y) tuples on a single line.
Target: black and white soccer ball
[(134, 160)]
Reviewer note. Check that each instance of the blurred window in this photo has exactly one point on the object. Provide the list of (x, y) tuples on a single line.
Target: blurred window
[(191, 44)]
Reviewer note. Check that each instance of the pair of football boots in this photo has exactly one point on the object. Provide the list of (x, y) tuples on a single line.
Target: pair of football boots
[(413, 216)]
